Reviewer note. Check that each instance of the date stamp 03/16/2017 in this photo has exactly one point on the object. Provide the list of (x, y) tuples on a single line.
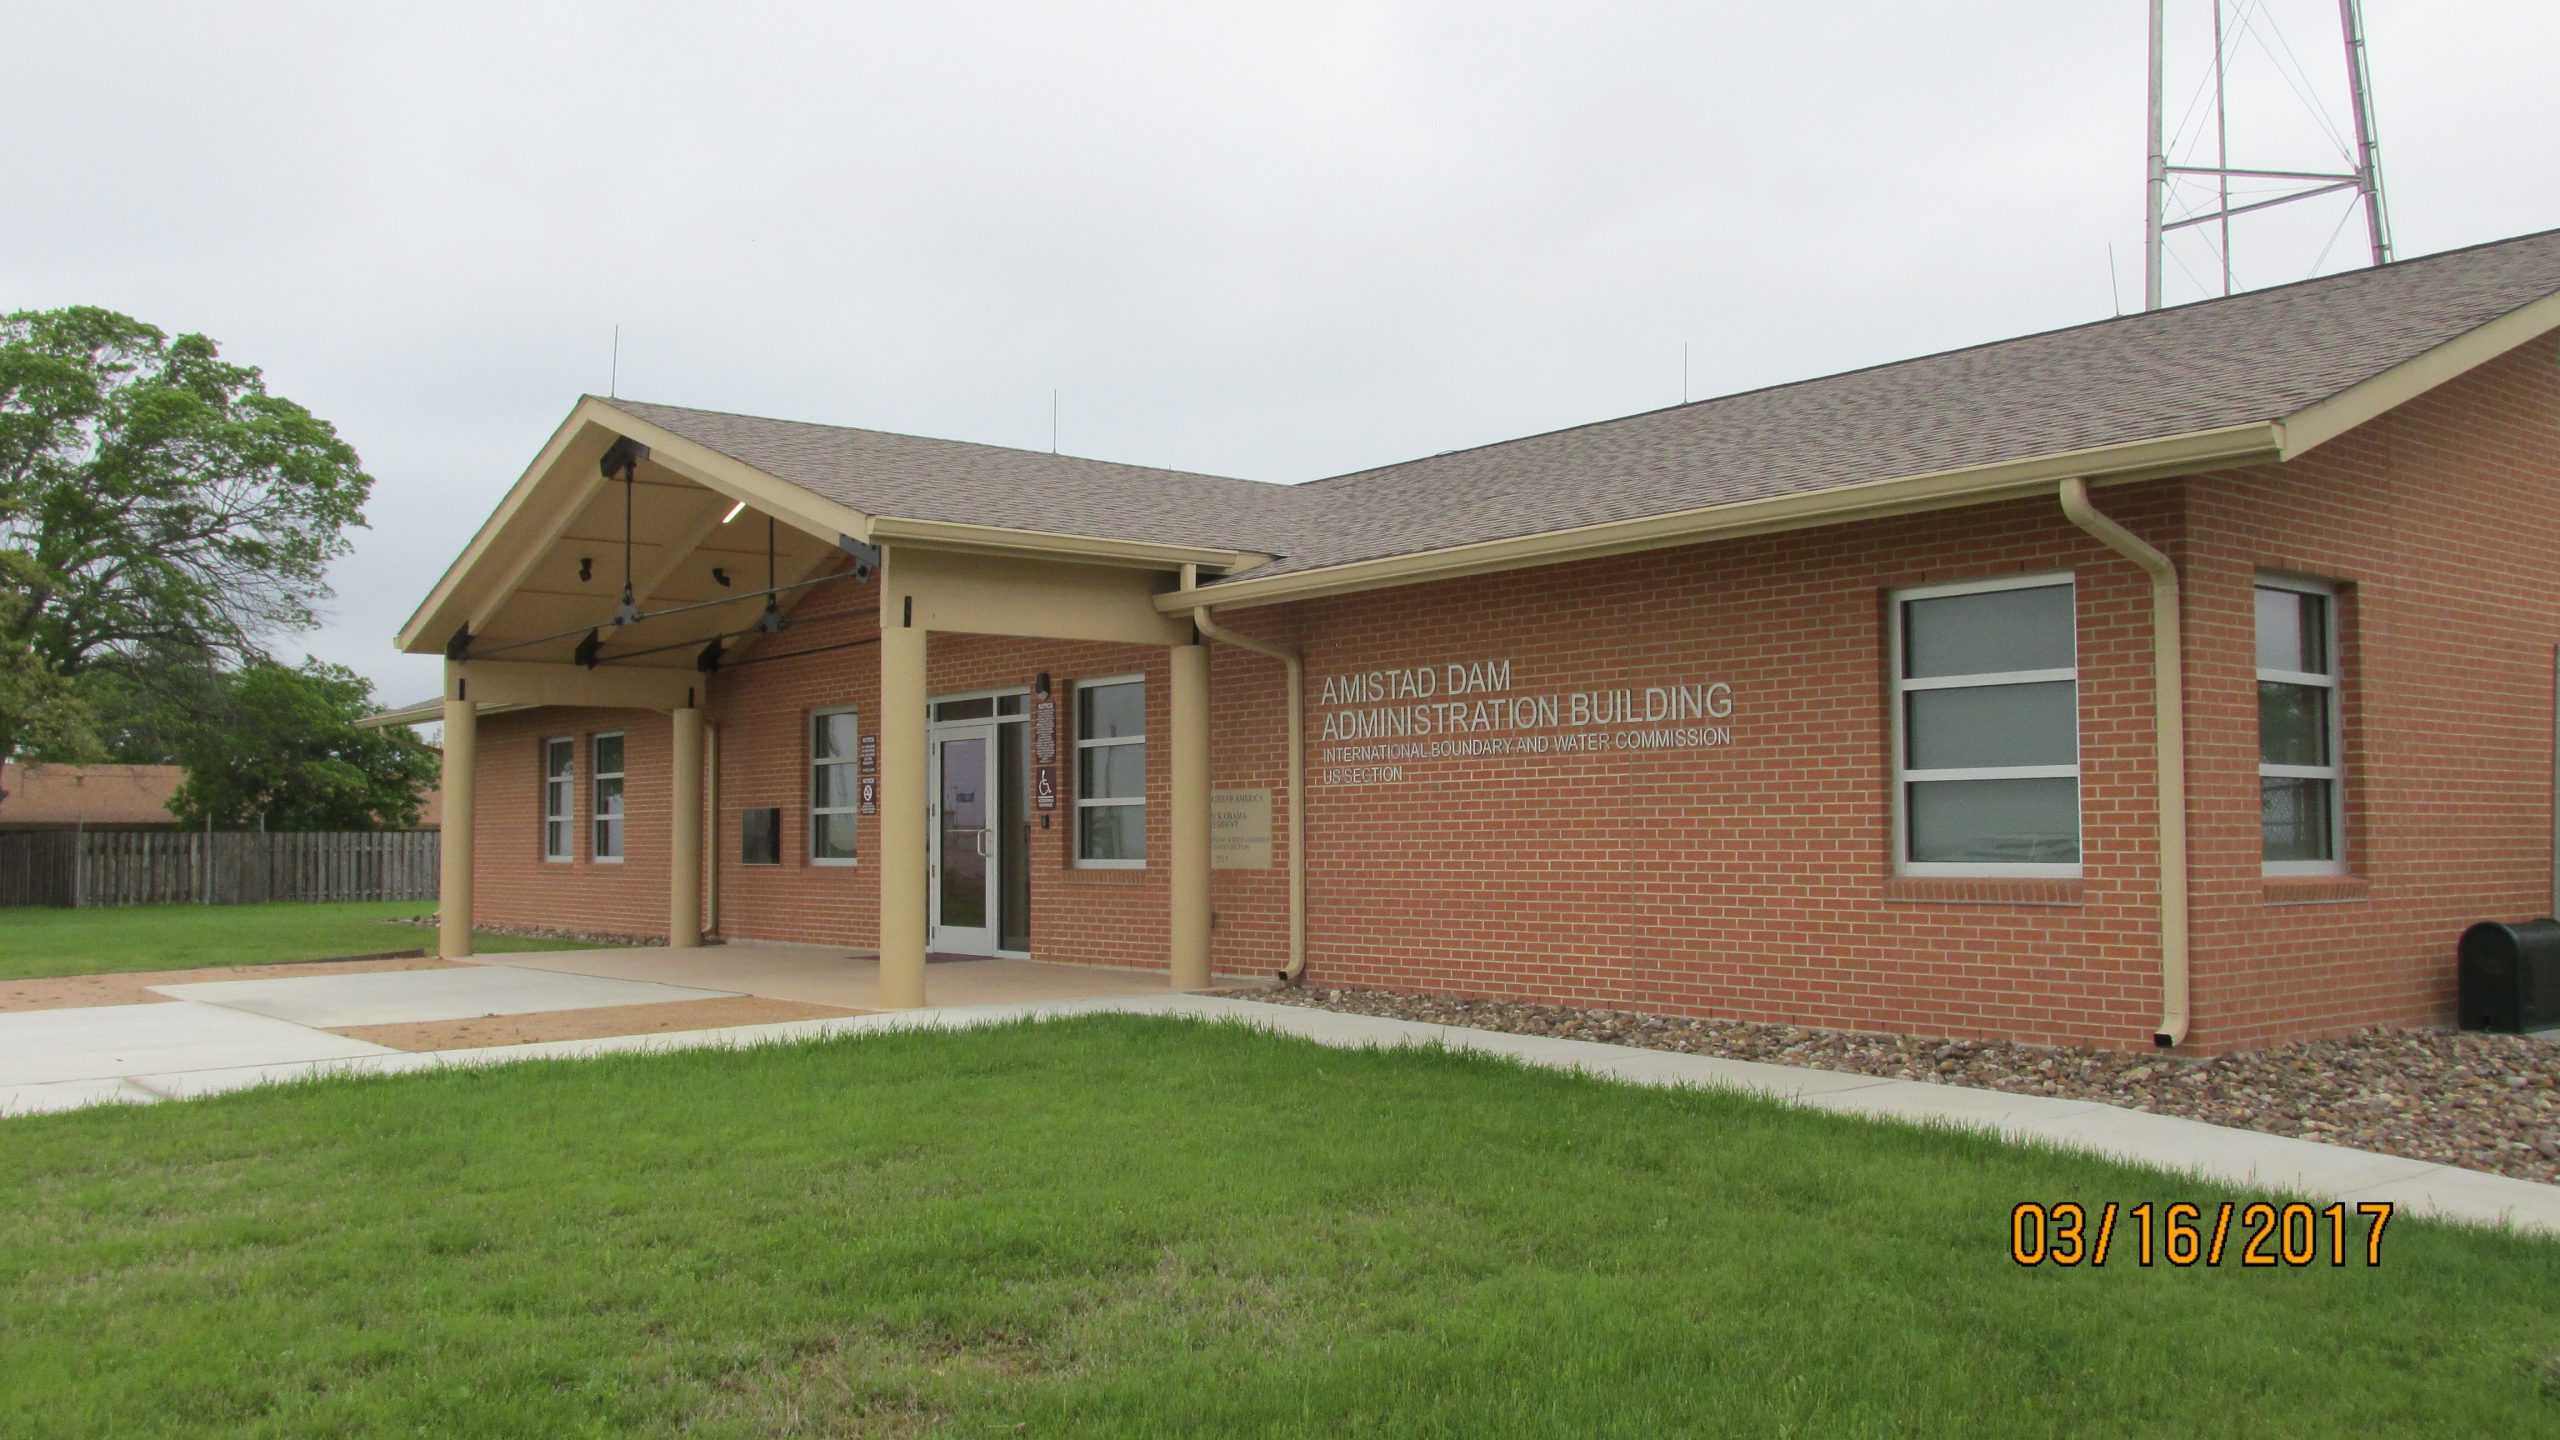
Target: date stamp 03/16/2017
[(2253, 1235)]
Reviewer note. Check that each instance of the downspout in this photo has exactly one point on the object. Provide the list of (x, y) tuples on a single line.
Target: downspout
[(2168, 714), (1297, 673)]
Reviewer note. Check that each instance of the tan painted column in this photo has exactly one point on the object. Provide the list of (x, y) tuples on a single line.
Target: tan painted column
[(684, 839), (902, 803), (711, 810), (461, 817), (1190, 859)]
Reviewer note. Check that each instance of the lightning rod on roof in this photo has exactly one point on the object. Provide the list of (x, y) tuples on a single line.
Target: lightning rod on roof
[(2361, 170)]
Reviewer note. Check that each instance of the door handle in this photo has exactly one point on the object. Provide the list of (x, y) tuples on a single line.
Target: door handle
[(982, 842)]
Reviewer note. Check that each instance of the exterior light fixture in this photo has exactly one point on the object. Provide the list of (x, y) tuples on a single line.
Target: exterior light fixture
[(733, 512)]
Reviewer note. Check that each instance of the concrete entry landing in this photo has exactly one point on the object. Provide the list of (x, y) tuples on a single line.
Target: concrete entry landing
[(333, 1002), (850, 978)]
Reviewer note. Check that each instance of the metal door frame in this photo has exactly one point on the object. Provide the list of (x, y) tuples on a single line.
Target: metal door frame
[(983, 939)]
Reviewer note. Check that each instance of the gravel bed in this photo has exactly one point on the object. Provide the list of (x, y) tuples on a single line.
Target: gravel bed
[(2484, 1102)]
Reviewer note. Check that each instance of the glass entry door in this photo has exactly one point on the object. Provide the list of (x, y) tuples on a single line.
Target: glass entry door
[(968, 850)]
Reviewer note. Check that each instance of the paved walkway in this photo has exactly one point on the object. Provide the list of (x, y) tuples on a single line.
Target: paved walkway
[(189, 1030), (848, 979), (182, 1067)]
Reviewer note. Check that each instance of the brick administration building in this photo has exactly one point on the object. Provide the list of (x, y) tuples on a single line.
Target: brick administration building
[(2181, 679)]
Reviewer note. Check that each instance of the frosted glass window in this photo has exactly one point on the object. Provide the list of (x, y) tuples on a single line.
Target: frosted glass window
[(1995, 822), (1982, 632), (1987, 728), (1976, 727)]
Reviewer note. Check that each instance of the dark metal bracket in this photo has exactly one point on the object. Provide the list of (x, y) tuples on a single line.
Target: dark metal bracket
[(866, 558)]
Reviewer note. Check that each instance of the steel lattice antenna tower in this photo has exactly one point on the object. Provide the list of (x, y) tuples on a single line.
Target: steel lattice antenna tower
[(2365, 179)]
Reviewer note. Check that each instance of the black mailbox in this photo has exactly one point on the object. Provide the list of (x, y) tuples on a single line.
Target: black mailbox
[(2510, 976)]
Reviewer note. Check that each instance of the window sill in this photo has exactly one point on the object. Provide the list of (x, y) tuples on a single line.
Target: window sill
[(2314, 889), (1982, 890), (1106, 873)]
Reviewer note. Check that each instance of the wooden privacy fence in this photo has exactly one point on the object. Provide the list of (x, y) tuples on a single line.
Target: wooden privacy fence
[(167, 867)]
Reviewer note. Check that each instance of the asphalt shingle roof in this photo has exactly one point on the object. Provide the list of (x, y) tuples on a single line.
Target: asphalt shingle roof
[(915, 478), (2252, 358)]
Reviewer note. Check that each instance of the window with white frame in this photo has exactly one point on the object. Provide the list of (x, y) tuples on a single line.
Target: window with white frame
[(835, 785), (1986, 712), (2302, 814), (608, 806), (559, 793), (1111, 772)]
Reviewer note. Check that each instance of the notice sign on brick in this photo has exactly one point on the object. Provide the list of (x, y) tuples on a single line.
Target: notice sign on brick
[(1240, 830), (1044, 731), (1044, 754), (869, 795), (868, 748)]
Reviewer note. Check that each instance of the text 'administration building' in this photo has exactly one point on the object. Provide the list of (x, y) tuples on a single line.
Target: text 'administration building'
[(2184, 678)]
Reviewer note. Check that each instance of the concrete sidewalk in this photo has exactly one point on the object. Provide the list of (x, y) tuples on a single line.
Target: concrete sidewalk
[(2208, 1152)]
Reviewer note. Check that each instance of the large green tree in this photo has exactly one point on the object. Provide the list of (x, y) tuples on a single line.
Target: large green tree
[(281, 749), (40, 706), (148, 707), (155, 500)]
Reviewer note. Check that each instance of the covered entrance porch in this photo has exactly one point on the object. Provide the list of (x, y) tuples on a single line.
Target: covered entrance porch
[(930, 803)]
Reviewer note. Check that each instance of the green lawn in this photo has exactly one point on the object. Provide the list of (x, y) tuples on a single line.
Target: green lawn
[(1122, 1226), (184, 937)]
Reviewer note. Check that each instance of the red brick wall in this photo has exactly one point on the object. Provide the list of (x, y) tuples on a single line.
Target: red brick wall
[(1249, 750), (1753, 880), (2436, 521), (515, 885), (762, 711)]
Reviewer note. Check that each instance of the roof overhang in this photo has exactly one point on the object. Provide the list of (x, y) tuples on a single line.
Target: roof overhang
[(540, 512), (561, 481), (1049, 545), (425, 712), (2236, 445), (2410, 379)]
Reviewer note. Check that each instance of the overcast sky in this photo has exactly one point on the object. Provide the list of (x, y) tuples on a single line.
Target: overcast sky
[(1281, 241)]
